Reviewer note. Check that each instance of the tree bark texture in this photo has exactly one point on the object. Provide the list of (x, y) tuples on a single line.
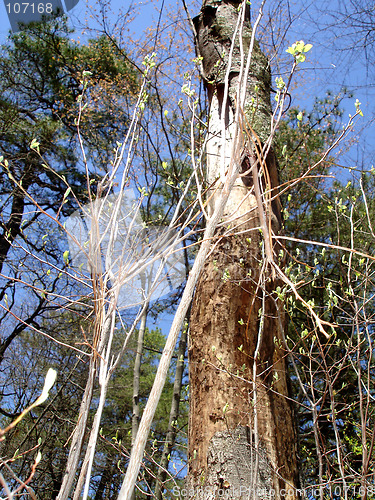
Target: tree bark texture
[(242, 442)]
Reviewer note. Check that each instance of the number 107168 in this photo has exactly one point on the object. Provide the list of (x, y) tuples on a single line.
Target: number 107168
[(31, 8)]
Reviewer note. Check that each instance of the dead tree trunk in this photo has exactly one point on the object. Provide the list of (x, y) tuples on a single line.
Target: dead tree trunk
[(242, 442)]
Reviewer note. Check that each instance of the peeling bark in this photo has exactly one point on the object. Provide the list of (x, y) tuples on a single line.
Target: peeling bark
[(241, 432)]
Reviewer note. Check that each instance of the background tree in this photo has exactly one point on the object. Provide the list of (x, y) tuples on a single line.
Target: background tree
[(41, 78), (333, 448)]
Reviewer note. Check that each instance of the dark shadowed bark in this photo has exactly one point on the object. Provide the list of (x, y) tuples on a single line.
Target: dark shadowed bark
[(241, 434)]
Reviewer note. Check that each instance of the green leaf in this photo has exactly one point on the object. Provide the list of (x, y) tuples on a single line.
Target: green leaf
[(66, 194), (35, 144), (298, 50)]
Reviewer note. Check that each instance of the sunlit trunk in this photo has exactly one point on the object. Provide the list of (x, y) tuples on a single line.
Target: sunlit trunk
[(241, 431)]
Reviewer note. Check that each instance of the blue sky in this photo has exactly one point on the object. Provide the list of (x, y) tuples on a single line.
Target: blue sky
[(338, 60), (79, 12), (328, 65), (331, 64)]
